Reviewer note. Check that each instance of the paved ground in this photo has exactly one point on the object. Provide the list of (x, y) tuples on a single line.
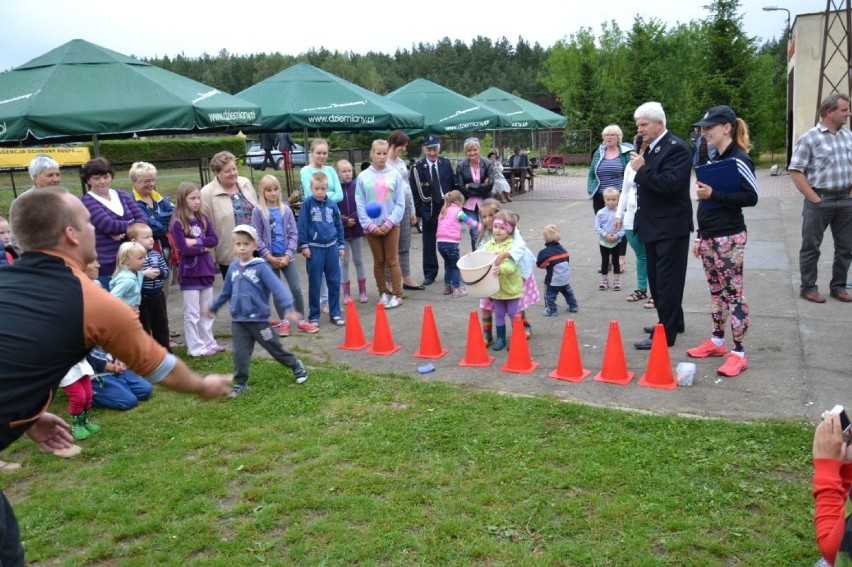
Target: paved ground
[(797, 351)]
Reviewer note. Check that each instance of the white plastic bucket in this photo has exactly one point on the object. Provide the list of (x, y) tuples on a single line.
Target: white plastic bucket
[(476, 273)]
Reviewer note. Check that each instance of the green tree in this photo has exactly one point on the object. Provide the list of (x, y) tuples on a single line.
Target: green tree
[(729, 60), (771, 119), (571, 77)]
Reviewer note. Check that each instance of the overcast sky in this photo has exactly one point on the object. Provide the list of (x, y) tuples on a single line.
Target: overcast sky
[(154, 28)]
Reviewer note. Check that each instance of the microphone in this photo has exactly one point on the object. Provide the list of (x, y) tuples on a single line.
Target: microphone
[(638, 143)]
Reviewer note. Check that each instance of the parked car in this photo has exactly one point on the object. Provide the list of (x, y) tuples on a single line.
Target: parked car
[(254, 157)]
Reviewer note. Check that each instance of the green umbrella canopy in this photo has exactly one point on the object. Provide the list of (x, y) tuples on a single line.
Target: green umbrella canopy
[(81, 89), (522, 114), (446, 111), (304, 96)]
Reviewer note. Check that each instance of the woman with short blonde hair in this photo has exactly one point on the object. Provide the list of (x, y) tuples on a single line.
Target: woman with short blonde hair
[(607, 170), (227, 201), (475, 180)]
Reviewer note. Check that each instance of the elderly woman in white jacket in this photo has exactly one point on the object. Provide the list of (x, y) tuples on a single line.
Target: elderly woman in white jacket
[(624, 218)]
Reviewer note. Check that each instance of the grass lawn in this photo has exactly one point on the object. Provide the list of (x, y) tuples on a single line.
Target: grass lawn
[(387, 470)]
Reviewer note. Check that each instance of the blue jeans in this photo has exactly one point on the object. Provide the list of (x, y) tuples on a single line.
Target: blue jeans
[(552, 292), (474, 234), (120, 390), (449, 251), (323, 263)]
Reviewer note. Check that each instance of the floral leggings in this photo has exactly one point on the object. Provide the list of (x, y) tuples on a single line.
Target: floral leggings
[(722, 258)]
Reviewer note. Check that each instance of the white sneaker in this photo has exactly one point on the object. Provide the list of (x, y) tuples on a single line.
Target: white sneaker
[(300, 373), (394, 301), (384, 298)]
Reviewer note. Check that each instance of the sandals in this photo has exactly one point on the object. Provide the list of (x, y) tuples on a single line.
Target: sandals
[(616, 285), (637, 295), (604, 285), (650, 304)]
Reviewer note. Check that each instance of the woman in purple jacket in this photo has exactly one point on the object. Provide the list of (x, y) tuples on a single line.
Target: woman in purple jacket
[(112, 212)]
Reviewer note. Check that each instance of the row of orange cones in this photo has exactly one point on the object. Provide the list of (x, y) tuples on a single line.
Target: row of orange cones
[(570, 367)]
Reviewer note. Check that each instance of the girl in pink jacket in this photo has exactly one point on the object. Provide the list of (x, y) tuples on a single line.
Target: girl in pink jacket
[(450, 223)]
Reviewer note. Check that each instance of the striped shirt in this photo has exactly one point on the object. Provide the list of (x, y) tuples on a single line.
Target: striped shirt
[(825, 158), (610, 174), (154, 260)]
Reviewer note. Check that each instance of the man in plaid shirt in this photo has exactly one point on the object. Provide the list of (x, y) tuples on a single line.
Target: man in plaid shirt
[(821, 169)]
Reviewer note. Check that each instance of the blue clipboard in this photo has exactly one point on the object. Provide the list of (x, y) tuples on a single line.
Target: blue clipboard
[(723, 176)]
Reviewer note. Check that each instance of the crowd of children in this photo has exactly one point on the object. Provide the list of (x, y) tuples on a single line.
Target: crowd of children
[(340, 212)]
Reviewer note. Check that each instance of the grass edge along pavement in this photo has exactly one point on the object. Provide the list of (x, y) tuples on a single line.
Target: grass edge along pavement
[(385, 469)]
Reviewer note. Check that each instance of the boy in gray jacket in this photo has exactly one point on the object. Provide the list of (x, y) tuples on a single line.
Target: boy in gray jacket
[(248, 284)]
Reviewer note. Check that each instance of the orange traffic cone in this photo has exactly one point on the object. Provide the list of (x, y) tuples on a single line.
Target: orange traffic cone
[(475, 354), (382, 340), (570, 367), (354, 338), (430, 342), (659, 372), (519, 351), (614, 370)]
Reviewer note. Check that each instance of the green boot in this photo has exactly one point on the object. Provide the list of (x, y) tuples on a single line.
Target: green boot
[(500, 343), (78, 427), (90, 427), (487, 321)]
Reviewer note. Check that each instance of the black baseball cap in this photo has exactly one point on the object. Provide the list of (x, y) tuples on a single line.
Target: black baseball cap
[(718, 115)]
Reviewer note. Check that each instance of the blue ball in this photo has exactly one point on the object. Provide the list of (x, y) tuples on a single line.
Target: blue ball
[(374, 210)]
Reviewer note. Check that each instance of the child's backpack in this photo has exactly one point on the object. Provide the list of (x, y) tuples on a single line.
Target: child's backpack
[(174, 260)]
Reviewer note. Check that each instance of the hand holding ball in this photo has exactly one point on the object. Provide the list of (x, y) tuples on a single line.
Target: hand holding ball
[(374, 210)]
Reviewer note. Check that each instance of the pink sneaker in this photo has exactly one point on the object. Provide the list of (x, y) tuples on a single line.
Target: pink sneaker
[(217, 348), (284, 329), (705, 349), (734, 364), (307, 327)]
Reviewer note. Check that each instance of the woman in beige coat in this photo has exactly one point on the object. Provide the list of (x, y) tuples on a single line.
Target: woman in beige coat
[(228, 201)]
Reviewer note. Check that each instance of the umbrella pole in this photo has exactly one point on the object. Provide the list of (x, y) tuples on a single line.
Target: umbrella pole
[(96, 147), (288, 179)]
